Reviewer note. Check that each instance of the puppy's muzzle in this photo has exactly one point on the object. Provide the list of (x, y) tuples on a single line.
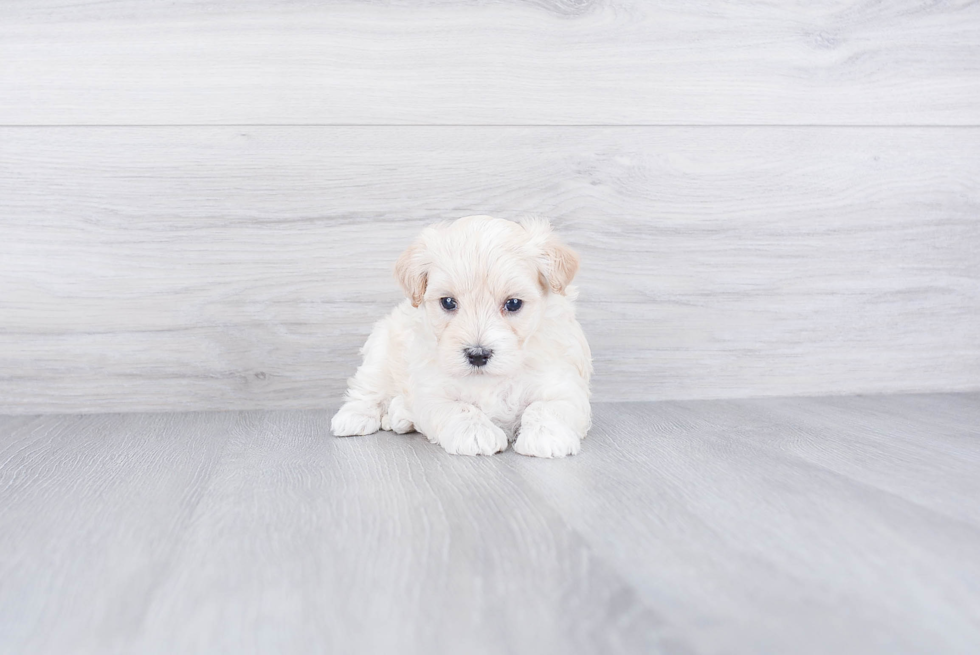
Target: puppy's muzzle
[(478, 356)]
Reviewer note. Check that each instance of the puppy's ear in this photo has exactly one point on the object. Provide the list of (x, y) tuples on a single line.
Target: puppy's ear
[(562, 264), (410, 269), (557, 262)]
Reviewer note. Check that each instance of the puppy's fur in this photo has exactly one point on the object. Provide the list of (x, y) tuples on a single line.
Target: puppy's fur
[(475, 375)]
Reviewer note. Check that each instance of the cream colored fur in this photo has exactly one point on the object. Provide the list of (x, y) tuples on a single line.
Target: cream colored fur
[(535, 386)]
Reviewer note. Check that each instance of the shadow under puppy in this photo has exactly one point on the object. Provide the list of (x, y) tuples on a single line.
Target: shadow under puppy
[(485, 350)]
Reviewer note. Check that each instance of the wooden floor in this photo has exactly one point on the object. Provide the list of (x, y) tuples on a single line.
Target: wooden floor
[(825, 525)]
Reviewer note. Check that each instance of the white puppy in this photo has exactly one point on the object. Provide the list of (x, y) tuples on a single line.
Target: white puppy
[(486, 348)]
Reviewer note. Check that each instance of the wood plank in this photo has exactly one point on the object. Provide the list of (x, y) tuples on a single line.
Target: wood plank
[(747, 547), (955, 417), (197, 268), (460, 62), (92, 511), (309, 543), (914, 454), (682, 527)]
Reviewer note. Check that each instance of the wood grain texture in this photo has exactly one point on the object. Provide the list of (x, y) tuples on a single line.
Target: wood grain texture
[(208, 268), (384, 545), (923, 456), (91, 514), (468, 62), (766, 535), (771, 525)]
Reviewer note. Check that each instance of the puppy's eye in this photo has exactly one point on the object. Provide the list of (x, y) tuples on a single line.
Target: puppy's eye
[(513, 304), (449, 304)]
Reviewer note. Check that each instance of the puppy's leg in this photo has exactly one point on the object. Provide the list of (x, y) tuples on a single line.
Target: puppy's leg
[(397, 418), (461, 429), (553, 428), (367, 390)]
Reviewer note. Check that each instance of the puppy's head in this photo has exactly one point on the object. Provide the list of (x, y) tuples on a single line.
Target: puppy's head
[(483, 284)]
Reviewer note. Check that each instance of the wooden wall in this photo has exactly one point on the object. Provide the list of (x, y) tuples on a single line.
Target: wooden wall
[(200, 202)]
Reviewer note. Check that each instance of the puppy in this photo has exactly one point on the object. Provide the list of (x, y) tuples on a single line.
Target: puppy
[(486, 348)]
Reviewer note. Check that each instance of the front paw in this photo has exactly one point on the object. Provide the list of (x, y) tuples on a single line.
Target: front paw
[(397, 419), (356, 418), (472, 436), (542, 438)]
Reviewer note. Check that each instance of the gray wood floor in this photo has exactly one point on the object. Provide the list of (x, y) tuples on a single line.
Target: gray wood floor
[(819, 525)]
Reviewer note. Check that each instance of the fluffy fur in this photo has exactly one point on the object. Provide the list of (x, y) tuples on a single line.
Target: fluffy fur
[(533, 389)]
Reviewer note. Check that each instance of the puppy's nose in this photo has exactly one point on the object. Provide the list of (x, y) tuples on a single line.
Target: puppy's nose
[(478, 356)]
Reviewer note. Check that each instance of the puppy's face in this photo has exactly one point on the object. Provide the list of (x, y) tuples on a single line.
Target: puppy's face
[(483, 284), (482, 312)]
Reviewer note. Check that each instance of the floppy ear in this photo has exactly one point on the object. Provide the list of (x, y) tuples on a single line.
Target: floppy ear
[(562, 264), (410, 269), (557, 262)]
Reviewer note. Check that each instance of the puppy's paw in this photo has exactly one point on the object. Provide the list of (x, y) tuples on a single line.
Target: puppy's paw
[(356, 418), (543, 438), (473, 436), (398, 417), (397, 423)]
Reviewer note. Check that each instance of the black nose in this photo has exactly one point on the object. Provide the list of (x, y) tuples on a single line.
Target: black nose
[(478, 356)]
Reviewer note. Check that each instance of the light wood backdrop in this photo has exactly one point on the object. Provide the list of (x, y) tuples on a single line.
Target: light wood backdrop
[(476, 62), (200, 203)]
